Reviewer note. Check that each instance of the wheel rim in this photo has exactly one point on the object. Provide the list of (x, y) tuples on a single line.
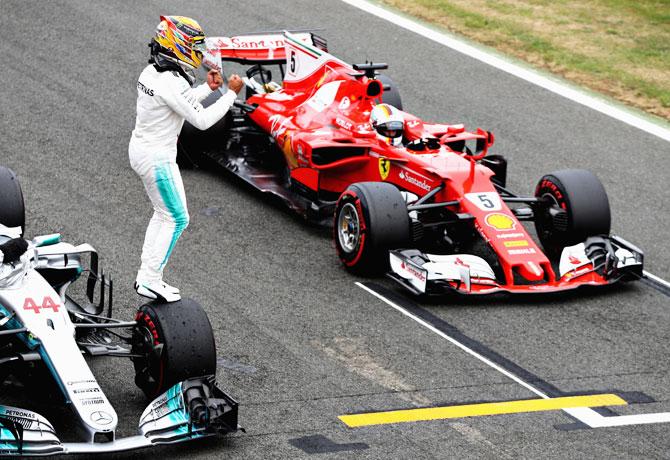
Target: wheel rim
[(552, 198), (142, 345), (348, 228), (546, 230), (148, 368)]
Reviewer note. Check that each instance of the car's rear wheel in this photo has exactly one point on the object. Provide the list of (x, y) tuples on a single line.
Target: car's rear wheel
[(574, 206), (193, 142), (497, 164), (370, 219), (12, 210), (174, 342), (391, 94)]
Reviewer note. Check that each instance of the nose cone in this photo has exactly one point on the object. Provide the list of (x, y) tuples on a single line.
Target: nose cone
[(531, 271)]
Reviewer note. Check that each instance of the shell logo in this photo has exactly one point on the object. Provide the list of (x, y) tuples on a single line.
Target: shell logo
[(500, 221)]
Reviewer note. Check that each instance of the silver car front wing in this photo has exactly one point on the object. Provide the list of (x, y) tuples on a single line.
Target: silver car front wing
[(191, 409)]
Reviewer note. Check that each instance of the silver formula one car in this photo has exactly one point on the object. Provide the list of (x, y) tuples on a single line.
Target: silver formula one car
[(45, 334)]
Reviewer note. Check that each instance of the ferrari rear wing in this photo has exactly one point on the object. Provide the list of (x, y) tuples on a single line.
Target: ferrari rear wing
[(261, 48)]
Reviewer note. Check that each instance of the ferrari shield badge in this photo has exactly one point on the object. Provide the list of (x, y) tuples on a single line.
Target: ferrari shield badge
[(384, 168)]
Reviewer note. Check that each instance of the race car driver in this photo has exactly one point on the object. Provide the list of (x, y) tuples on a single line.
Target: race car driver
[(165, 99), (389, 123)]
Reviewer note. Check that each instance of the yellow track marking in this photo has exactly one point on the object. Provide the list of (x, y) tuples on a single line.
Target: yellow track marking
[(476, 410)]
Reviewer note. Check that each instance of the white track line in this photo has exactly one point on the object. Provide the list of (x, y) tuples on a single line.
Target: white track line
[(656, 278), (555, 86), (455, 342), (586, 415), (593, 419)]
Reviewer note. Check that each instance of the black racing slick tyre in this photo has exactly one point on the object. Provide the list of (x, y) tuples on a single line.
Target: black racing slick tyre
[(370, 219), (187, 153), (174, 342), (12, 210), (574, 206), (391, 94), (497, 164)]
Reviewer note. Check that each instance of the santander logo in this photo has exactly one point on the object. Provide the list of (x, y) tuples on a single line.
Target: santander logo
[(413, 271), (421, 183)]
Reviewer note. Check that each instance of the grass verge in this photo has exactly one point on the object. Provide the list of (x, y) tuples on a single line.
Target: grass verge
[(617, 47)]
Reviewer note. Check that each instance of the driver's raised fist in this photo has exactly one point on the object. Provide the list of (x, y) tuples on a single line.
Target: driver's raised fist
[(235, 83), (214, 79)]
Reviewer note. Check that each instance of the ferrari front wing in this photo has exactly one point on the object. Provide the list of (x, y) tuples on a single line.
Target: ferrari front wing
[(600, 260)]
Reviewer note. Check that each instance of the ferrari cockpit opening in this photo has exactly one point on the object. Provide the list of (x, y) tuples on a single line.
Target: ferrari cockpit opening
[(424, 144)]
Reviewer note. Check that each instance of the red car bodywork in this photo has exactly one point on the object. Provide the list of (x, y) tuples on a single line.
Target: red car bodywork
[(320, 120)]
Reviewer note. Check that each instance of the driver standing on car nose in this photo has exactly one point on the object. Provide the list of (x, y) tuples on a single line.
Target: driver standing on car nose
[(165, 99)]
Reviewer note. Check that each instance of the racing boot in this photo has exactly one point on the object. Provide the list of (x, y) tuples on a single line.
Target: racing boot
[(157, 290), (167, 287)]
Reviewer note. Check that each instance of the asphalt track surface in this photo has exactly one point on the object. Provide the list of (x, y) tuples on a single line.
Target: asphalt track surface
[(299, 342)]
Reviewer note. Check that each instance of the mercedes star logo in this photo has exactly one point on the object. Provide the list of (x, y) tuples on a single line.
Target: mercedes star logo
[(101, 418)]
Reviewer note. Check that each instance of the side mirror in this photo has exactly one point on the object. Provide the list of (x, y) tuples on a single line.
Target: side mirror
[(484, 141)]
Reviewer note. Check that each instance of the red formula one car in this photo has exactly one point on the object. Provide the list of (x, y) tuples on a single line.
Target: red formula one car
[(433, 212)]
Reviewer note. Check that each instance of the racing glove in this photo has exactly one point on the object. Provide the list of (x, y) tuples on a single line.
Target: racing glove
[(185, 101)]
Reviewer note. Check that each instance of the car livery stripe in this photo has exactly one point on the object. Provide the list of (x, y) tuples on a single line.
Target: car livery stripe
[(302, 46), (173, 202)]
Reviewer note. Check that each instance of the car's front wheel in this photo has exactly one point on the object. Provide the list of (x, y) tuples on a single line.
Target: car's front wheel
[(172, 342), (370, 219), (574, 206), (391, 94), (12, 210)]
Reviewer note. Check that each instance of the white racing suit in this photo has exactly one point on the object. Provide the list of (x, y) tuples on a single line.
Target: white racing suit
[(164, 100)]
